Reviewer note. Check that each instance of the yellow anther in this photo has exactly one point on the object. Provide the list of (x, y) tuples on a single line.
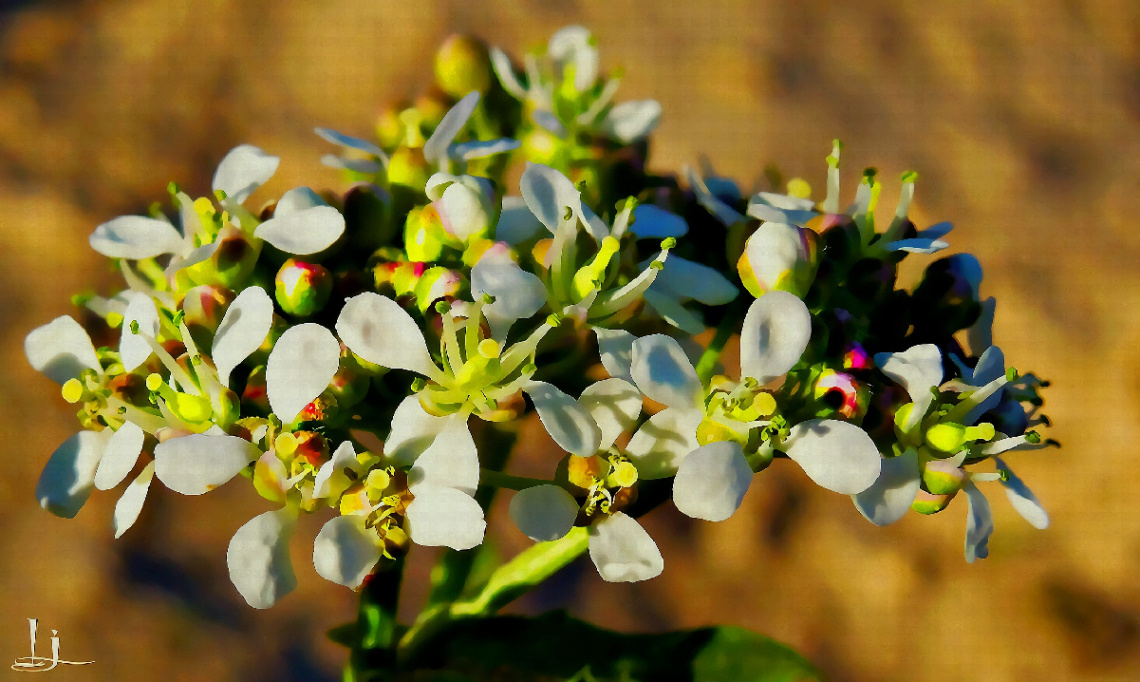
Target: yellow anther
[(154, 382), (114, 320), (191, 408), (72, 390), (378, 480), (764, 404), (489, 348), (799, 188), (285, 444), (623, 475)]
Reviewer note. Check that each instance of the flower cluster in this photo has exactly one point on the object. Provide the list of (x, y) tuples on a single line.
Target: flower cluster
[(434, 300)]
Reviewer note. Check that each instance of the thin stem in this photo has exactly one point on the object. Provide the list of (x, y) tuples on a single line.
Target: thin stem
[(498, 479), (513, 579), (729, 325)]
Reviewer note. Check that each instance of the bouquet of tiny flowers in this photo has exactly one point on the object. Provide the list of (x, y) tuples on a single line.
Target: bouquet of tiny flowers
[(501, 248)]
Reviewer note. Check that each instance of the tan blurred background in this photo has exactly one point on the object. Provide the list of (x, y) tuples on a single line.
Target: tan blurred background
[(1023, 120)]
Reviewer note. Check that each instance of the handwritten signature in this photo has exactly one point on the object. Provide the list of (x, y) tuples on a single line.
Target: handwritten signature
[(41, 664)]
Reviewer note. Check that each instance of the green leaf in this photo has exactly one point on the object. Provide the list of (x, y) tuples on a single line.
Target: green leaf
[(555, 646)]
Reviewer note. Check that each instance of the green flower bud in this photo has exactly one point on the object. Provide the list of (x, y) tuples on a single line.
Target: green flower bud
[(462, 65), (942, 478), (928, 503), (301, 288)]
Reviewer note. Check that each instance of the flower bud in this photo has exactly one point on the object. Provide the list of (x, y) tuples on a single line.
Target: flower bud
[(255, 398), (466, 206), (779, 257), (302, 289), (928, 503), (842, 394), (202, 309), (407, 167), (350, 383), (462, 65), (435, 284), (424, 236), (940, 477)]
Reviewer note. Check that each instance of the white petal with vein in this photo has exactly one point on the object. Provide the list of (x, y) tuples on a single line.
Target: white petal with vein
[(300, 367)]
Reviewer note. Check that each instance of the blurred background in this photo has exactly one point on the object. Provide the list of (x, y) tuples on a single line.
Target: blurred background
[(1022, 119)]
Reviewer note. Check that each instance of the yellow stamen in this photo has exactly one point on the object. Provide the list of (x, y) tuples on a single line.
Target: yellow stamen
[(285, 444), (489, 348), (72, 390)]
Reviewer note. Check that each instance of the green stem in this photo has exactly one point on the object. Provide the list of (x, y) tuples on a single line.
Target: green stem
[(376, 626), (450, 575), (729, 325), (513, 579), (498, 479)]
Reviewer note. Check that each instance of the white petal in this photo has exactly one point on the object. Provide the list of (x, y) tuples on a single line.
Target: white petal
[(516, 223), (243, 329), (712, 203), (296, 200), (776, 332), (133, 348), (377, 329), (338, 138), (444, 517), (991, 365), (345, 551), (518, 294), (615, 405), (549, 122), (436, 148), (616, 348), (198, 255), (891, 495), (687, 279), (547, 193), (131, 503), (918, 245), (781, 208), (623, 551), (303, 232), (663, 442), (544, 512), (61, 349), (243, 170), (629, 122), (574, 45), (481, 149), (258, 558), (979, 523), (664, 373), (343, 458), (836, 455), (464, 210), (358, 165), (136, 237), (123, 449), (198, 463), (670, 308), (1022, 498), (451, 461), (917, 369), (300, 367), (69, 475), (711, 481), (567, 422), (413, 431), (501, 63)]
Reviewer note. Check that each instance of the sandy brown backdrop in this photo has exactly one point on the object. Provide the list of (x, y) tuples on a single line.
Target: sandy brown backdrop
[(1023, 120)]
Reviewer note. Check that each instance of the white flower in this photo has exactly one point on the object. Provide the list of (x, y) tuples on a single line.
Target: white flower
[(62, 350), (465, 204), (441, 149), (572, 51), (302, 223), (362, 156), (557, 204), (683, 280)]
